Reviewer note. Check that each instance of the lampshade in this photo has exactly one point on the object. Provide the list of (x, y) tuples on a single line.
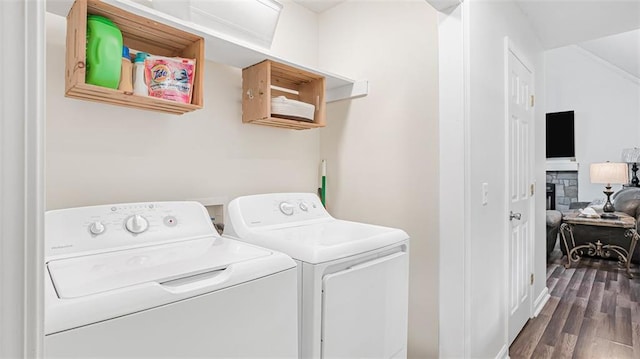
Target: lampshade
[(609, 172), (631, 155)]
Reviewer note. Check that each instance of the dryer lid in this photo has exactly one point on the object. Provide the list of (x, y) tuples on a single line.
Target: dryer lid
[(325, 241), (91, 274)]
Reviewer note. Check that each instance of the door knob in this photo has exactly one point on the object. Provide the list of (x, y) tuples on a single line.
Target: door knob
[(513, 216)]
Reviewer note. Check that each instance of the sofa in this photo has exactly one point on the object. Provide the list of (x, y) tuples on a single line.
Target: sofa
[(626, 200), (553, 225)]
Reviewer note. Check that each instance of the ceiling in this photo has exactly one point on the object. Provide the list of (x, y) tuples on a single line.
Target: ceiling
[(319, 6), (606, 28), (564, 22), (621, 50)]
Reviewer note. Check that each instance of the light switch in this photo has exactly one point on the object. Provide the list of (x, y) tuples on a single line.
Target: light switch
[(485, 194)]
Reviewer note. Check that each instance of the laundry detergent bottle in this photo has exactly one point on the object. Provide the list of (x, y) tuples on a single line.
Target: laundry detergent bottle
[(104, 52)]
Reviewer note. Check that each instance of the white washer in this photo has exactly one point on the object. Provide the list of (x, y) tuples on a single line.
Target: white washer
[(353, 277), (156, 280)]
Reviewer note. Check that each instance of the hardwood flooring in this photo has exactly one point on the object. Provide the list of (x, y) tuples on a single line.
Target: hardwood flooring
[(593, 312)]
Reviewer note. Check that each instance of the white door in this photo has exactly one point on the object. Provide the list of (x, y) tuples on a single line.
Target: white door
[(520, 123)]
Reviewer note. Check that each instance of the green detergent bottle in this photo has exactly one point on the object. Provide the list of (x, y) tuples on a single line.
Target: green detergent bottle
[(104, 52)]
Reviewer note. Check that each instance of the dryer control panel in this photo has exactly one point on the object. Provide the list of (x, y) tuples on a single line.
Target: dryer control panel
[(87, 230), (276, 208)]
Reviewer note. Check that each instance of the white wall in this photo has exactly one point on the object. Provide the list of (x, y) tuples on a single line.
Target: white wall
[(98, 153), (296, 36), (606, 104), (382, 150), (22, 179), (453, 334), (489, 23)]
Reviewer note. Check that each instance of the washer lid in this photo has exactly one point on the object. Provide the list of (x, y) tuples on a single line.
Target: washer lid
[(326, 241), (86, 275)]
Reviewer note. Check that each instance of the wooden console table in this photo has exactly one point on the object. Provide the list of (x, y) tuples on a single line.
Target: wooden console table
[(571, 219)]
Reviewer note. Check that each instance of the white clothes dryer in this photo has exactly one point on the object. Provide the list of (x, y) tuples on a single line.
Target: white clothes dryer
[(352, 277), (156, 280)]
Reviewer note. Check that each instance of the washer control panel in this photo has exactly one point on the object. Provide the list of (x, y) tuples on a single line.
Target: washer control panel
[(276, 208), (110, 227)]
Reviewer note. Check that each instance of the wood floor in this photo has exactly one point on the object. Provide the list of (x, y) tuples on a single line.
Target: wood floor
[(593, 312)]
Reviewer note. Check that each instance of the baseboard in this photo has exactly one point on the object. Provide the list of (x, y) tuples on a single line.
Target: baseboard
[(503, 353), (542, 299)]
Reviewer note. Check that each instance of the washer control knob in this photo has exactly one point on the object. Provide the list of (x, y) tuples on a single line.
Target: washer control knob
[(136, 224), (96, 228), (286, 208), (304, 206)]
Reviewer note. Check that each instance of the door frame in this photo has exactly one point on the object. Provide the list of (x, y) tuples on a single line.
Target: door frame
[(511, 47), (22, 99)]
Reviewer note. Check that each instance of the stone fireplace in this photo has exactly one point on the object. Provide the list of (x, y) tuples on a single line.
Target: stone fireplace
[(566, 188)]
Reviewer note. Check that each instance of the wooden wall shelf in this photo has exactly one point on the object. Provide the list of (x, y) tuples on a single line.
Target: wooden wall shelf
[(227, 50), (268, 79), (138, 33)]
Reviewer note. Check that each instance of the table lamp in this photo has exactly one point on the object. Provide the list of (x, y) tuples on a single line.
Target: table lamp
[(632, 155), (608, 173)]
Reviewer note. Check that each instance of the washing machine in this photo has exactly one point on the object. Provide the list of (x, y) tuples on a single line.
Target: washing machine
[(352, 277), (156, 280)]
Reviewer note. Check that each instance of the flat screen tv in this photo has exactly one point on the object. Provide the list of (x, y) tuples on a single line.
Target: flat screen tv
[(560, 135)]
